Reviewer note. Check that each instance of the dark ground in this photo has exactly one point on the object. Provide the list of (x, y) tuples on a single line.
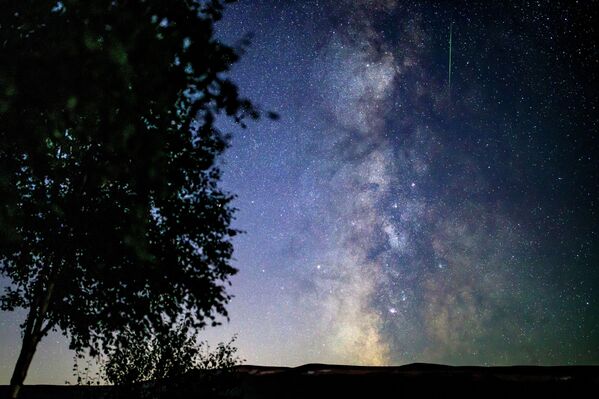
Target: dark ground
[(329, 381)]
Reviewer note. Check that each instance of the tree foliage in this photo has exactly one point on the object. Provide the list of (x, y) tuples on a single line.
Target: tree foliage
[(166, 355), (112, 216)]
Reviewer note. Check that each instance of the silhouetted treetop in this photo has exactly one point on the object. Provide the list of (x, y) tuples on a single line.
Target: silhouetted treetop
[(111, 212)]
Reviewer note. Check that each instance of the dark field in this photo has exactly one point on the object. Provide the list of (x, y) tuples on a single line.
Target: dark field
[(332, 381)]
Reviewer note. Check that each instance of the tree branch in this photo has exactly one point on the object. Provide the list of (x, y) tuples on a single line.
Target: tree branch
[(46, 329)]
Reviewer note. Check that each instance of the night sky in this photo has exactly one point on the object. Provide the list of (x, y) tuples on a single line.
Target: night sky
[(390, 218)]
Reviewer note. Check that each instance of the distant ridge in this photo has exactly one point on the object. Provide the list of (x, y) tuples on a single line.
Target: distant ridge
[(320, 381), (416, 367)]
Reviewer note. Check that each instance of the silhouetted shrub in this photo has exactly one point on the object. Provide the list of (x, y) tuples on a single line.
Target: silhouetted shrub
[(173, 363)]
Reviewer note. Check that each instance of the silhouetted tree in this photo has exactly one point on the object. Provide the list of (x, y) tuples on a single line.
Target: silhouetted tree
[(173, 363), (168, 354), (112, 218)]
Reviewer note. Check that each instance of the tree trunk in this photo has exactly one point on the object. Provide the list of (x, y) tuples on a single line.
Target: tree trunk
[(31, 337), (30, 342)]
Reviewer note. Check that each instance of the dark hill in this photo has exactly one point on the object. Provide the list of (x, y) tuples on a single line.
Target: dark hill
[(339, 381)]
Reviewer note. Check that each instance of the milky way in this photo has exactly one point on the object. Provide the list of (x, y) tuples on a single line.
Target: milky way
[(417, 266), (388, 222), (416, 230)]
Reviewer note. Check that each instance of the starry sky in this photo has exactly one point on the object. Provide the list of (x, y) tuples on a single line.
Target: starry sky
[(391, 218)]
